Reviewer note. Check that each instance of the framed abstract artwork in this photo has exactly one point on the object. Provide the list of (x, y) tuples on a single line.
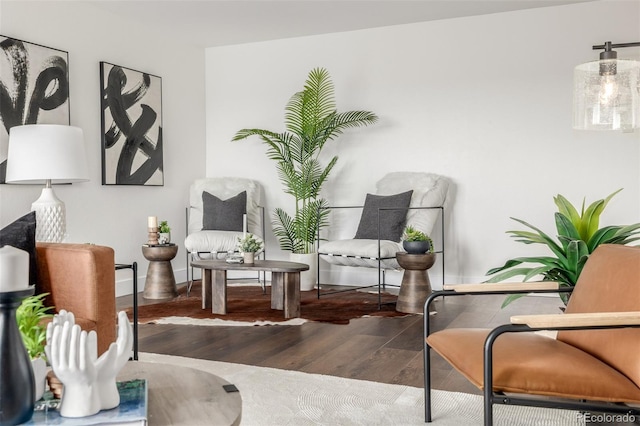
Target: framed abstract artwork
[(34, 88), (131, 127)]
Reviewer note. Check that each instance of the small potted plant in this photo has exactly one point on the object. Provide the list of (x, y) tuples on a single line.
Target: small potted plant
[(164, 233), (416, 242), (31, 316), (249, 245)]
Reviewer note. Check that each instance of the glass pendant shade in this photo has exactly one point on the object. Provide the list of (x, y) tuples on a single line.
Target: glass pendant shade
[(606, 95)]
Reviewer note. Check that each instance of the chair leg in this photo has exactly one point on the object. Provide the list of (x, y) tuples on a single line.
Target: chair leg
[(488, 405), (187, 263), (488, 379), (427, 383), (318, 277), (190, 256)]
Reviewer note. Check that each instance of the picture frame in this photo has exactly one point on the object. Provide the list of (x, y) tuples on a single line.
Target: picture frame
[(131, 126), (35, 79)]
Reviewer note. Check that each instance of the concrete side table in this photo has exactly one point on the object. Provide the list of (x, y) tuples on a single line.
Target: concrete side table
[(160, 282), (415, 286)]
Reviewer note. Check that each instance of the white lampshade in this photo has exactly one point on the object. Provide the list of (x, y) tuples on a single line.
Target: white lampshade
[(41, 152), (46, 154), (606, 95)]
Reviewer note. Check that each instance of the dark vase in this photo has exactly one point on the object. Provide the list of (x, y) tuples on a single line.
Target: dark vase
[(17, 385), (416, 247)]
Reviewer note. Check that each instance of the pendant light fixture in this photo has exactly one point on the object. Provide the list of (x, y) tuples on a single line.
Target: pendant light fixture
[(606, 93)]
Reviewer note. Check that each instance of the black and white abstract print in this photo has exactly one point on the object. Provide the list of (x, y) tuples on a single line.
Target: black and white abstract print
[(34, 88), (131, 127)]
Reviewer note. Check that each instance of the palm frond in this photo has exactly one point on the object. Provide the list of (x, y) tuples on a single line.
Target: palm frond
[(284, 229), (311, 119)]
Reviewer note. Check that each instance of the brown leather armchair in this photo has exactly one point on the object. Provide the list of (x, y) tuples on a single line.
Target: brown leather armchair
[(81, 279), (592, 365)]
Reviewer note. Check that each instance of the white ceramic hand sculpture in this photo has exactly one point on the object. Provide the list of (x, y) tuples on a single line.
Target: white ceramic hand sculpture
[(70, 356), (58, 319), (111, 362)]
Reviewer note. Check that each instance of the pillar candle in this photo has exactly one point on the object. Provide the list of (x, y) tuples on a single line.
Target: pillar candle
[(14, 269), (244, 225), (152, 222)]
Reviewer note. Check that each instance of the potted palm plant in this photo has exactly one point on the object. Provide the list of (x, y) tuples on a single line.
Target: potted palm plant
[(311, 120), (578, 236), (31, 316)]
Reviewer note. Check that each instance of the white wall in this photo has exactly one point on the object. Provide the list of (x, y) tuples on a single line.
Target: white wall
[(116, 216), (484, 100)]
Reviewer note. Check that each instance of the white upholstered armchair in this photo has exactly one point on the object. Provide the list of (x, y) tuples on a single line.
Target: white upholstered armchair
[(384, 216), (220, 210)]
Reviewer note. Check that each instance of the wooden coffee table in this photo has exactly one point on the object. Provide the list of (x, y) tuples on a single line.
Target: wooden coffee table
[(184, 396), (285, 283)]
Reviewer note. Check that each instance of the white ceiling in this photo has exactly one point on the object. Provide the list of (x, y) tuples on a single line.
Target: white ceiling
[(209, 23)]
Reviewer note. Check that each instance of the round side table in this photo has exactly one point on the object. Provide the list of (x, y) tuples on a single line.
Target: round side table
[(160, 282), (415, 286)]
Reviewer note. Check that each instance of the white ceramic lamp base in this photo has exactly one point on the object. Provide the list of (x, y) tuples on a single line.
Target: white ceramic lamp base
[(51, 222)]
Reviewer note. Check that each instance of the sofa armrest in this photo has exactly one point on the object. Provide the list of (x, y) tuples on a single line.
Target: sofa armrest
[(80, 279)]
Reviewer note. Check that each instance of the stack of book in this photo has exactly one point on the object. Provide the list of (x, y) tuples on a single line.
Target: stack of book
[(131, 411)]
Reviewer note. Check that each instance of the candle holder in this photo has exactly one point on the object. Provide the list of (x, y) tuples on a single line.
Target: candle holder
[(16, 373), (153, 236)]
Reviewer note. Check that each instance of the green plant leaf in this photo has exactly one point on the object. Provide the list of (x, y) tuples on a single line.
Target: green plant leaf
[(566, 230), (591, 217), (284, 230), (566, 208), (553, 246), (29, 316), (507, 274), (527, 237), (511, 298), (508, 264), (311, 119), (578, 236)]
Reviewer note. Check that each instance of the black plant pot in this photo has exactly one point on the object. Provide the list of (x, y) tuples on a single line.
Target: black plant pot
[(416, 247)]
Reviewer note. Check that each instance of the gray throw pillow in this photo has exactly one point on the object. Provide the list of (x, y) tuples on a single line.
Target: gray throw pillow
[(223, 215), (22, 234), (391, 221)]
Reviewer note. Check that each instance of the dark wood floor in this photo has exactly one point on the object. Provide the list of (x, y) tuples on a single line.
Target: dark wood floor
[(387, 350)]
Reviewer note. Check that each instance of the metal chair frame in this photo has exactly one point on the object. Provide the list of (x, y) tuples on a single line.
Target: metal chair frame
[(191, 256), (489, 396), (381, 271)]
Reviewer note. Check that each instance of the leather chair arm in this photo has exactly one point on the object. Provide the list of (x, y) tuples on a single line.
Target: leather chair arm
[(595, 319), (502, 287)]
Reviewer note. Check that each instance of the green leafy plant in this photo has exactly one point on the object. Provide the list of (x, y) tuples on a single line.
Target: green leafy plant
[(164, 228), (412, 234), (249, 244), (415, 241), (579, 234), (30, 315), (311, 119)]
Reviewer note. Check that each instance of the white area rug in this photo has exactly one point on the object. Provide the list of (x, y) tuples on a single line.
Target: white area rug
[(275, 397)]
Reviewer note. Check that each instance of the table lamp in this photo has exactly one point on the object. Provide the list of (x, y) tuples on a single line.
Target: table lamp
[(47, 154)]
